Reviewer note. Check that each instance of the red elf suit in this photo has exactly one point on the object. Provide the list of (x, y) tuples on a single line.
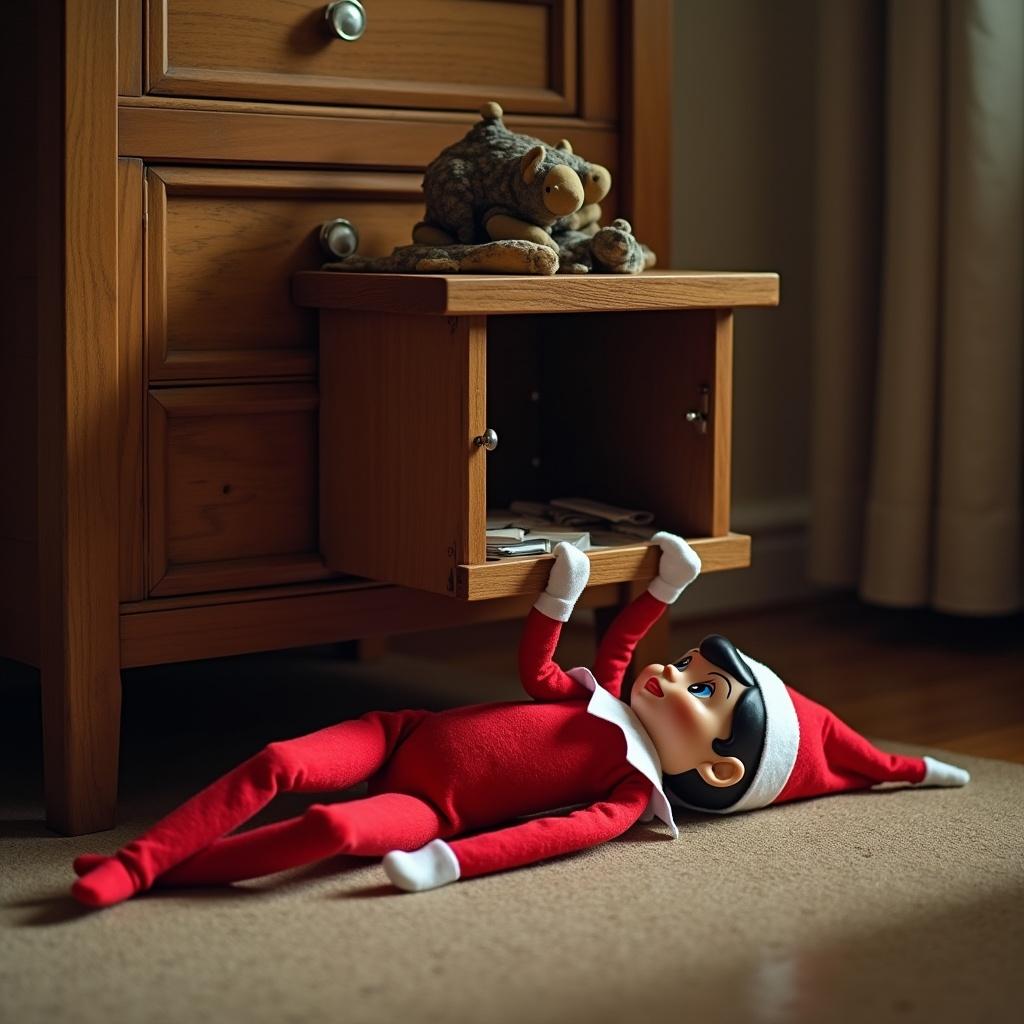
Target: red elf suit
[(435, 776), (432, 776)]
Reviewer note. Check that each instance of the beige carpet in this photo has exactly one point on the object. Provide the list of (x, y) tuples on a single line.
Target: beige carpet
[(903, 906)]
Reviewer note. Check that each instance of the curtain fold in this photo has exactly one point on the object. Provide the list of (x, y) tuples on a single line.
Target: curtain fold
[(917, 475)]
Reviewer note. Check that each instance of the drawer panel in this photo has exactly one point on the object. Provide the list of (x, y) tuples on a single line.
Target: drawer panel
[(437, 54), (222, 246), (232, 487)]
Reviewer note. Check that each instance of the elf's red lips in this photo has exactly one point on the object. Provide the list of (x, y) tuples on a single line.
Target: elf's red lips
[(652, 686)]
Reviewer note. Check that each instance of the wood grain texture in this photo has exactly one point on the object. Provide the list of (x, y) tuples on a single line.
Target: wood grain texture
[(158, 130), (130, 45), (188, 628), (78, 422), (401, 481), (499, 294), (222, 246), (719, 423), (232, 574), (600, 62), (131, 379), (233, 488), (638, 562), (645, 164), (446, 54), (535, 124)]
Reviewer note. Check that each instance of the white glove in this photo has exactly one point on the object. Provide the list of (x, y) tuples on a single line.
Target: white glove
[(678, 568), (567, 581), (429, 867)]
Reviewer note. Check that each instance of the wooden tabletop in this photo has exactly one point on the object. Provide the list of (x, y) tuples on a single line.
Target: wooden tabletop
[(497, 294)]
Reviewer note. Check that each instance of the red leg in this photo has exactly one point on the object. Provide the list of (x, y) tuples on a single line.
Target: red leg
[(370, 827), (331, 759)]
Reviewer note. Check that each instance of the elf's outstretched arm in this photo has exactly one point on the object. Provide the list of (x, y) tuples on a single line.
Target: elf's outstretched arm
[(439, 863), (541, 677), (678, 567)]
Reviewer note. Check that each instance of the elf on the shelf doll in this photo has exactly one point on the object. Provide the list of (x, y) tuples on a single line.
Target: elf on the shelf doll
[(716, 729)]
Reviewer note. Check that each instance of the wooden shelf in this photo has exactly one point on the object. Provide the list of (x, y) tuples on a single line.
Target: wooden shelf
[(514, 576), (503, 294)]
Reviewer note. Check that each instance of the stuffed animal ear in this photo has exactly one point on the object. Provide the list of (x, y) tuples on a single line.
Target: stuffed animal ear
[(532, 159), (564, 144)]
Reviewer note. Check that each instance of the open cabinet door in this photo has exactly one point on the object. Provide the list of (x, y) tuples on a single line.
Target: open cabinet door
[(402, 482)]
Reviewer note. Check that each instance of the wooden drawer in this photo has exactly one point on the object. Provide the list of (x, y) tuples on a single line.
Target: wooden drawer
[(232, 495), (587, 382), (437, 54), (222, 245)]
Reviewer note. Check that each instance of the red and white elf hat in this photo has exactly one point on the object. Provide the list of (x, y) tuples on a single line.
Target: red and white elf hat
[(808, 751)]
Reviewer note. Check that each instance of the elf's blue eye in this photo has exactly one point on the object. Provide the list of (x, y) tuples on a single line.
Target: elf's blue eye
[(683, 662), (702, 690)]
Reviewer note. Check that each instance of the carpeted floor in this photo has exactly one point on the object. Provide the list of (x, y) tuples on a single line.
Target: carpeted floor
[(903, 905)]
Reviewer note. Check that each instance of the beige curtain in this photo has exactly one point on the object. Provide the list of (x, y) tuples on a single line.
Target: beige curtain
[(918, 444)]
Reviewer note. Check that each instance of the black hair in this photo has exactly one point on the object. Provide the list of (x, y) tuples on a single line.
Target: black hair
[(745, 742)]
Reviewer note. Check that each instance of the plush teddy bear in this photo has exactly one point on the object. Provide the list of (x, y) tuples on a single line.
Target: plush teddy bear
[(498, 184), (609, 250)]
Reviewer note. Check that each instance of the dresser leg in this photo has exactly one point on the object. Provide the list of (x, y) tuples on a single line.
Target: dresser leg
[(81, 735)]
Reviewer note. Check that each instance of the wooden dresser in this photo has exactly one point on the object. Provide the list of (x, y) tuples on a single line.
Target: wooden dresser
[(162, 447)]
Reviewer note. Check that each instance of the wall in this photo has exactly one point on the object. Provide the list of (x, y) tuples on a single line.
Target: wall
[(743, 164)]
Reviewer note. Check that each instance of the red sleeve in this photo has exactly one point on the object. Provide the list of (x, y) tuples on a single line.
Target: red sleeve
[(541, 677), (541, 838), (626, 631)]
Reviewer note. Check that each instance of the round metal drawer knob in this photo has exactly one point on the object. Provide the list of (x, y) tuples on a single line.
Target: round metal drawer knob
[(347, 19), (339, 237), (488, 439)]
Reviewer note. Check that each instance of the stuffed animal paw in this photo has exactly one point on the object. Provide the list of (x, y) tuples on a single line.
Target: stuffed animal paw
[(611, 250), (616, 251)]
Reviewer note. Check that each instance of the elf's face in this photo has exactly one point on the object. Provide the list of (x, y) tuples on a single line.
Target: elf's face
[(685, 707)]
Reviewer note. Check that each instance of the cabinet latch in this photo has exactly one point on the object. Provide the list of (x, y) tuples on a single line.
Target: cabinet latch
[(699, 417)]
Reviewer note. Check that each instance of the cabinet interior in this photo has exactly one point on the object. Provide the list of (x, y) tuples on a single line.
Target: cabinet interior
[(575, 398)]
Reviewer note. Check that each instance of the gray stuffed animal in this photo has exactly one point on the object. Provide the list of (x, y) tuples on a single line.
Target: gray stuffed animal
[(497, 184)]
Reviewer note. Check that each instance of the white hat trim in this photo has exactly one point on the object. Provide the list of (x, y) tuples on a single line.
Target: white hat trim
[(938, 773), (781, 742)]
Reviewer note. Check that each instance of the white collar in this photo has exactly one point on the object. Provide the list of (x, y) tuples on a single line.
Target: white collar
[(640, 750)]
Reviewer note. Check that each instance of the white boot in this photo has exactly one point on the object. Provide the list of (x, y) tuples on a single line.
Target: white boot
[(428, 867)]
